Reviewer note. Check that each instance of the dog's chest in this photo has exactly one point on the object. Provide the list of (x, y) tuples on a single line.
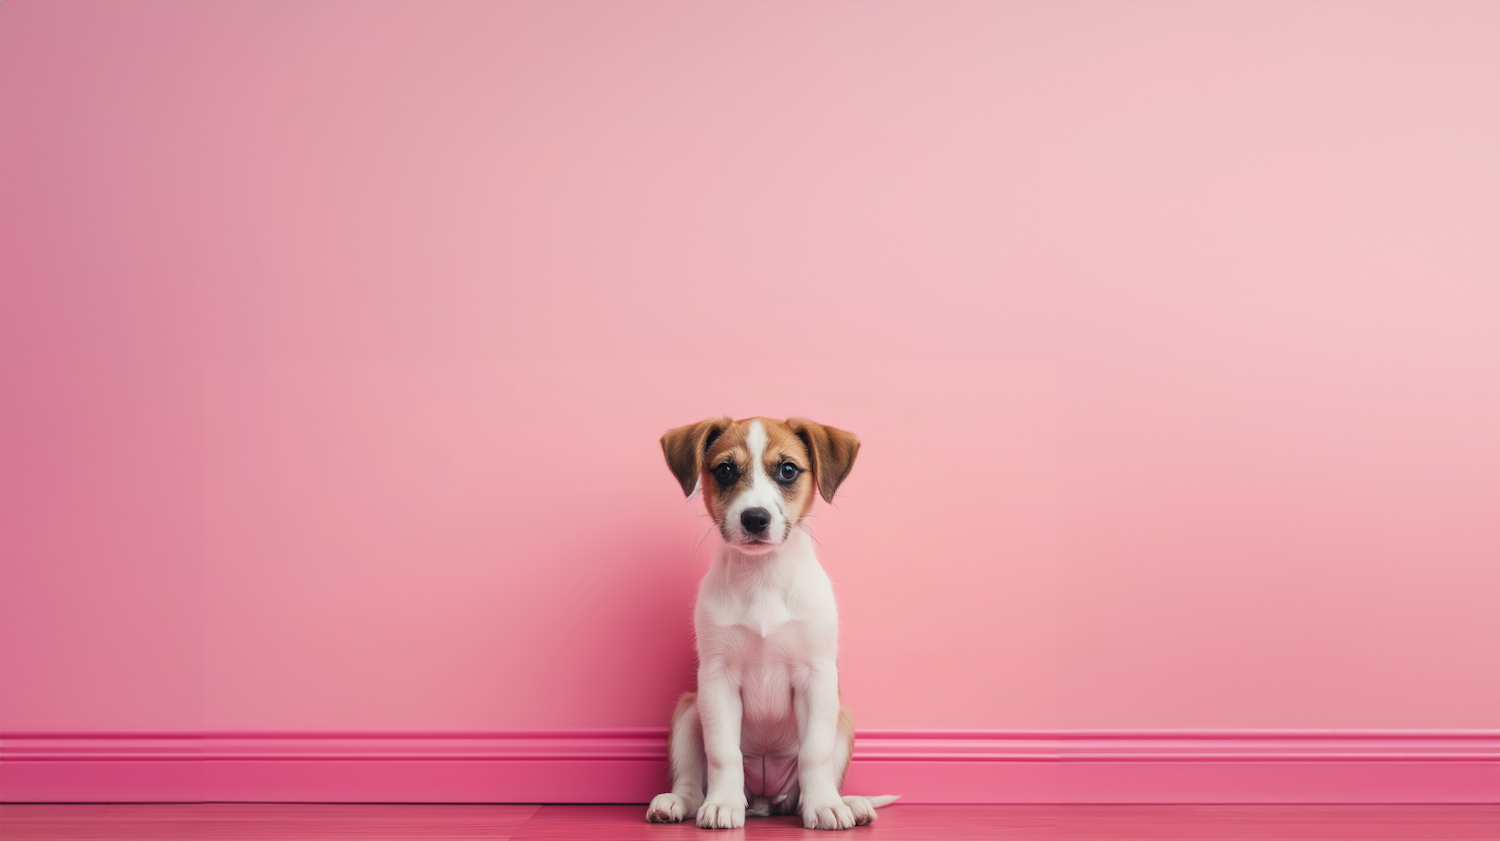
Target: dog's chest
[(762, 616), (749, 629), (759, 639)]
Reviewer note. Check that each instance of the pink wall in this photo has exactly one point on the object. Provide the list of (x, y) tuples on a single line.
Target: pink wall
[(335, 341)]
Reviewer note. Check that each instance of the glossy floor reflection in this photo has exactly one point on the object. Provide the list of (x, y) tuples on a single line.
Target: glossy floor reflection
[(897, 823)]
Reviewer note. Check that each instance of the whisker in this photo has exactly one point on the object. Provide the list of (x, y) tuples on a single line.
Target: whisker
[(803, 526), (706, 531), (700, 539)]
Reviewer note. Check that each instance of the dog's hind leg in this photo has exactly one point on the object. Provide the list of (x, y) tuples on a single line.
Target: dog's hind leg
[(844, 749), (687, 762), (862, 807)]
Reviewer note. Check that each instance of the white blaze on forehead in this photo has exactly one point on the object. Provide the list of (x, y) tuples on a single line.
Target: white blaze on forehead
[(755, 439), (763, 492)]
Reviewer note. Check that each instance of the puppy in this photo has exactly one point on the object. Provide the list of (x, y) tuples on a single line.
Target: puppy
[(764, 732)]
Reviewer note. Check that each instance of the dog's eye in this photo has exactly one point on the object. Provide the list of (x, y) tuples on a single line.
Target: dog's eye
[(787, 472), (725, 472)]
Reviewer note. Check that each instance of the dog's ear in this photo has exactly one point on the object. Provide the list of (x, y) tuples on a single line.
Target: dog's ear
[(685, 446), (832, 452)]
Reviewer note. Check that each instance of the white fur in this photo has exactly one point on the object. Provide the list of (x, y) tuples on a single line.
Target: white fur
[(767, 633), (767, 628)]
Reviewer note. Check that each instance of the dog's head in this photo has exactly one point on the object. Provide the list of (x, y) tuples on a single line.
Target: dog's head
[(758, 474)]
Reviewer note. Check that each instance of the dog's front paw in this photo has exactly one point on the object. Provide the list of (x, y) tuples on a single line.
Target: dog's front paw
[(667, 808), (718, 815), (832, 814)]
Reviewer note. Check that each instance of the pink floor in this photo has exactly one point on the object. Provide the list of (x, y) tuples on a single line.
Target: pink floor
[(317, 821)]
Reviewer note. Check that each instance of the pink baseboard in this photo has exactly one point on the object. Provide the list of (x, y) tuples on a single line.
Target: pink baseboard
[(627, 765)]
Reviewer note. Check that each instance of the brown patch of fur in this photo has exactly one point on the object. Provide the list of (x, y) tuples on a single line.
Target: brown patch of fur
[(833, 451), (846, 735), (733, 447), (684, 704), (684, 448), (784, 445)]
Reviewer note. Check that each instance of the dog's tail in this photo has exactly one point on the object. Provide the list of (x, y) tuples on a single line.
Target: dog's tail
[(883, 800)]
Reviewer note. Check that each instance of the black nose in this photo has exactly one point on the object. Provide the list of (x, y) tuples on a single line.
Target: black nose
[(755, 520)]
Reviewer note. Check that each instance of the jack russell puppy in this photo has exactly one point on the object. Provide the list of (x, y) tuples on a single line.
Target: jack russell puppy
[(764, 731)]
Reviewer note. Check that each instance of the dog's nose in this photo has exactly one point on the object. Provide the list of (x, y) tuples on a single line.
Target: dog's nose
[(755, 520)]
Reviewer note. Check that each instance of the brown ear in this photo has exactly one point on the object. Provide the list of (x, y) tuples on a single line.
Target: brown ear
[(832, 452), (684, 448)]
